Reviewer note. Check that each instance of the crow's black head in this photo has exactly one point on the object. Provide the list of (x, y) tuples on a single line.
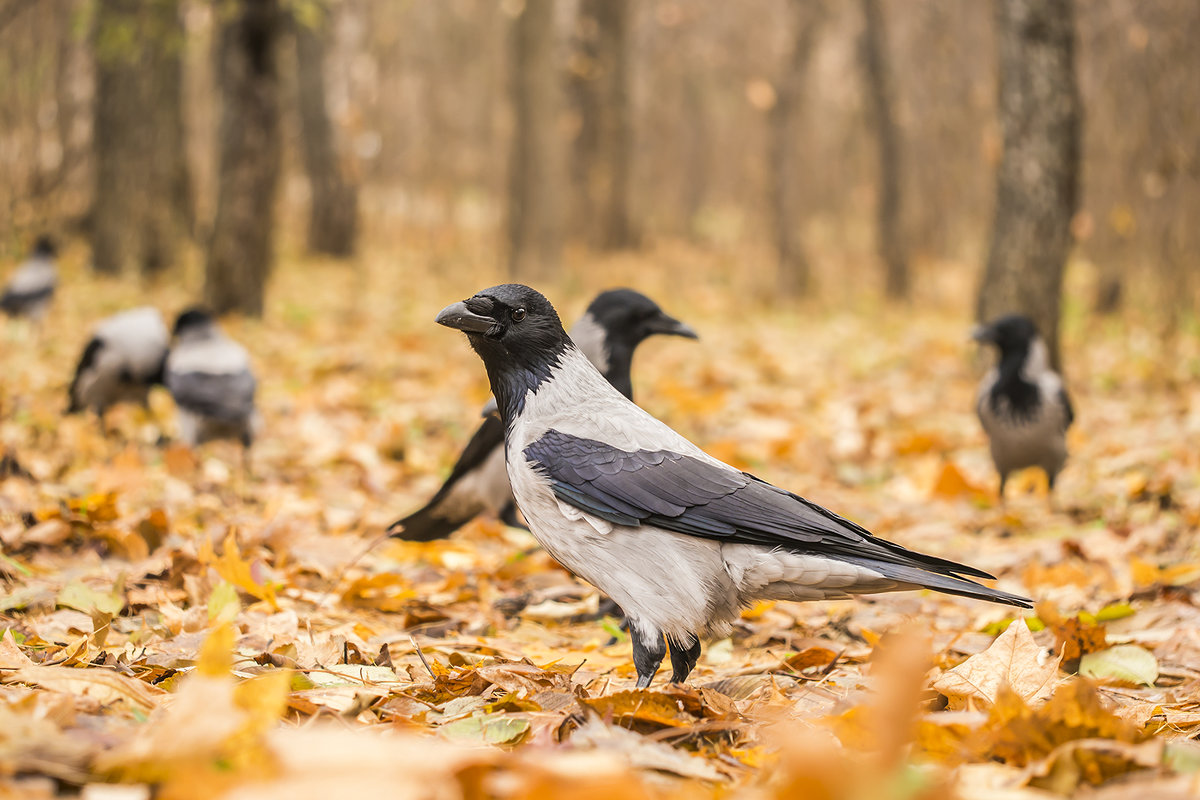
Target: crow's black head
[(192, 319), (628, 317), (44, 247), (614, 325), (1013, 334), (516, 332)]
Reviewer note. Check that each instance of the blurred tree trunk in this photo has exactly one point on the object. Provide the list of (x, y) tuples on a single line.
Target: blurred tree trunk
[(534, 191), (65, 105), (794, 276), (600, 80), (141, 203), (242, 248), (168, 197), (880, 94), (333, 209), (116, 200), (1037, 183)]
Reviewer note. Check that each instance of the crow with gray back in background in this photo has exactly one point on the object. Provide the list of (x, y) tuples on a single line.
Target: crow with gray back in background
[(609, 332), (679, 540), (1022, 402), (121, 362), (210, 378), (31, 287)]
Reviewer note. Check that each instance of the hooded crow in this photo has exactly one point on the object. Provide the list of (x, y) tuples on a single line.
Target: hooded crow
[(1022, 403), (679, 540), (31, 288), (609, 332), (122, 360), (209, 376)]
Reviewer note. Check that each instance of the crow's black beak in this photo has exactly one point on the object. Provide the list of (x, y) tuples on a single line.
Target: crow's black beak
[(983, 334), (669, 326), (458, 316)]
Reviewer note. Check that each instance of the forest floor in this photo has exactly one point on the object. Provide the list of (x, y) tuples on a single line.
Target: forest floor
[(173, 623)]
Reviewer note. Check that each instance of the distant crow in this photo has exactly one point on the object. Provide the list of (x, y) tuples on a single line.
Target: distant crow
[(679, 540), (31, 288), (209, 376), (1022, 402), (613, 326), (122, 360)]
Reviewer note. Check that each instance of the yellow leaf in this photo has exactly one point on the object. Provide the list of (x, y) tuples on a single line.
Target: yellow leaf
[(951, 483), (232, 567), (216, 654), (264, 699)]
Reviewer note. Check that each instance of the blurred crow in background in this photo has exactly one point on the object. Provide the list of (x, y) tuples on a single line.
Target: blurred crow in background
[(31, 287), (1022, 402), (609, 332), (209, 376), (122, 360), (681, 541)]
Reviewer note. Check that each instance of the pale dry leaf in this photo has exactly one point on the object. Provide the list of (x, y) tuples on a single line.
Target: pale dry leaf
[(1014, 659), (101, 684), (11, 656)]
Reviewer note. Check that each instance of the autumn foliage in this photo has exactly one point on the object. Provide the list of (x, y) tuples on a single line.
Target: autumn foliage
[(174, 625)]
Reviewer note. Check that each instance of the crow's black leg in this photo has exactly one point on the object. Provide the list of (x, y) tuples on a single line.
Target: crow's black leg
[(683, 660), (509, 517), (648, 653), (1003, 480)]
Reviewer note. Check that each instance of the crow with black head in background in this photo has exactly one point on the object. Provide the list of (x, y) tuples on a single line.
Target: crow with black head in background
[(1022, 402), (121, 362), (209, 376), (680, 541), (31, 287)]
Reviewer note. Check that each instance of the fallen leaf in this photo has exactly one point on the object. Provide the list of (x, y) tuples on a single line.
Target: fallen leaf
[(1124, 662), (103, 685), (1014, 660)]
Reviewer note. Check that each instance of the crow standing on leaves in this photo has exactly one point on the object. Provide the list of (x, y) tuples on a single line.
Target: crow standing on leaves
[(613, 326), (122, 360), (1022, 402), (31, 288), (681, 541), (209, 376)]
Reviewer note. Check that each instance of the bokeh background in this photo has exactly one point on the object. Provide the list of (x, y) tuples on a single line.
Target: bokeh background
[(780, 148)]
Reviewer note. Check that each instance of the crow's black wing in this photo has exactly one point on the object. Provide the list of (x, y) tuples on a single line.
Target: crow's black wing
[(688, 495), (444, 513), (1068, 410), (225, 396), (86, 362)]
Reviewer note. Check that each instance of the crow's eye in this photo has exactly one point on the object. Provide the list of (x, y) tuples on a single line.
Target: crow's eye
[(518, 314)]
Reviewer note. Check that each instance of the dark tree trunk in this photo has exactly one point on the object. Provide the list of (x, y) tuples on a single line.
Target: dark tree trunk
[(603, 157), (116, 198), (880, 98), (793, 277), (141, 203), (1037, 183), (333, 210), (168, 210), (534, 216), (242, 247)]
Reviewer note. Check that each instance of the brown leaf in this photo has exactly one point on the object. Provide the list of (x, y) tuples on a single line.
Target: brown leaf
[(634, 706)]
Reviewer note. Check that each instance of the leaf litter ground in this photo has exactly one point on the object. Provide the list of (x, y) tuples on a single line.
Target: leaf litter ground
[(172, 624)]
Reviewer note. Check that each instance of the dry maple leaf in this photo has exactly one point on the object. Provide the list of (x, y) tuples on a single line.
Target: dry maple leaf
[(1014, 660)]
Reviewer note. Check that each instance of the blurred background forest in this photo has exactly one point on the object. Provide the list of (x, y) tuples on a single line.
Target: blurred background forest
[(814, 147)]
